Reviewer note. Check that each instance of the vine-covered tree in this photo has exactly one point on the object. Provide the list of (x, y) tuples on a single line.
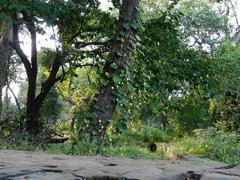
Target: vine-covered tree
[(120, 53)]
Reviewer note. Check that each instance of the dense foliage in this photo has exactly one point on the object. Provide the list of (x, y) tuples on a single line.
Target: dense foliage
[(137, 75)]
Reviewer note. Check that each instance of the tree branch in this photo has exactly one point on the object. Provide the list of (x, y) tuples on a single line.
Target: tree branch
[(51, 80), (16, 45), (66, 98), (85, 44), (15, 99), (32, 29)]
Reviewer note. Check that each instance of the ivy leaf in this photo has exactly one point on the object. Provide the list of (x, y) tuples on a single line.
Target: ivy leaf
[(114, 66), (128, 73), (135, 26), (126, 26), (138, 38), (116, 79), (119, 53), (121, 125), (104, 82)]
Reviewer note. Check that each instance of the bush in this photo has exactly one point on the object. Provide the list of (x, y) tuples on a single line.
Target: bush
[(214, 144), (149, 134), (16, 141), (132, 150)]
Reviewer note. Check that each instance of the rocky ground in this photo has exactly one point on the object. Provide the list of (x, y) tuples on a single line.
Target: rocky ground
[(39, 165)]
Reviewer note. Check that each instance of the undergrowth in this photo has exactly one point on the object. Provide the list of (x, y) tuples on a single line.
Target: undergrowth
[(213, 144), (210, 143)]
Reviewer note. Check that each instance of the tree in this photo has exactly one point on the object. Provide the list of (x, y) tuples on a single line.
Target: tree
[(22, 15), (77, 91), (120, 54), (202, 26), (34, 102), (51, 107), (5, 51), (29, 16), (225, 104), (166, 67)]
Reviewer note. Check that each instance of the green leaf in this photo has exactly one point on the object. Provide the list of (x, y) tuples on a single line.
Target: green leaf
[(128, 72), (126, 26), (114, 66), (138, 38), (119, 53), (121, 126), (104, 82), (116, 79), (135, 26)]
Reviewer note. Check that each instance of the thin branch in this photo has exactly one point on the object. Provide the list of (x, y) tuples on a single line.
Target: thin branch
[(66, 98), (15, 99), (98, 51), (16, 45), (61, 77), (55, 40), (87, 65), (85, 44), (32, 29), (234, 12), (236, 34)]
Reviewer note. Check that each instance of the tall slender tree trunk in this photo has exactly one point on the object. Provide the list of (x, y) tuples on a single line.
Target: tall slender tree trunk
[(105, 102), (1, 103), (5, 51)]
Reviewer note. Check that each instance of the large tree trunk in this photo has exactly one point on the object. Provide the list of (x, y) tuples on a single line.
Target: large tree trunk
[(33, 113), (105, 102), (31, 67), (5, 51)]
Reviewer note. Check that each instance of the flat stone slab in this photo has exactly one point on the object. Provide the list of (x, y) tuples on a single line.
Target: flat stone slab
[(41, 166)]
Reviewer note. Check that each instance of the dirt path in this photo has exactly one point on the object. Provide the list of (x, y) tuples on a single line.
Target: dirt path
[(38, 165)]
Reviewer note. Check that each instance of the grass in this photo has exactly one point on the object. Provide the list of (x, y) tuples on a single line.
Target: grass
[(133, 151), (210, 143), (213, 144), (121, 150), (123, 145)]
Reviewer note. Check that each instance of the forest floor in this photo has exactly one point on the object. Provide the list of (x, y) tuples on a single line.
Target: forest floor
[(40, 165)]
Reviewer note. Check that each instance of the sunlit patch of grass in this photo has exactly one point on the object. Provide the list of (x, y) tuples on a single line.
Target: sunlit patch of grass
[(213, 144), (133, 151)]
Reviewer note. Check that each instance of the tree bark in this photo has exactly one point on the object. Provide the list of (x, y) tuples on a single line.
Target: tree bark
[(5, 51), (105, 101), (1, 104), (34, 102)]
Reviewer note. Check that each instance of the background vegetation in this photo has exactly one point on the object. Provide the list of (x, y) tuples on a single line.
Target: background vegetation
[(133, 80)]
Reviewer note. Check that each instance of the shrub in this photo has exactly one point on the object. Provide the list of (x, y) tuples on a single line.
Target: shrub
[(149, 134), (214, 144)]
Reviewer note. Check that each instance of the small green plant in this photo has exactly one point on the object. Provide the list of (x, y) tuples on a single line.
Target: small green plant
[(17, 142), (133, 150), (149, 134)]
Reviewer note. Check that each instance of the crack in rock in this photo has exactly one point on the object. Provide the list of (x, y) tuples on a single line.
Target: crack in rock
[(25, 172), (109, 178), (52, 170), (228, 174), (227, 167), (191, 175), (110, 164), (50, 166)]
